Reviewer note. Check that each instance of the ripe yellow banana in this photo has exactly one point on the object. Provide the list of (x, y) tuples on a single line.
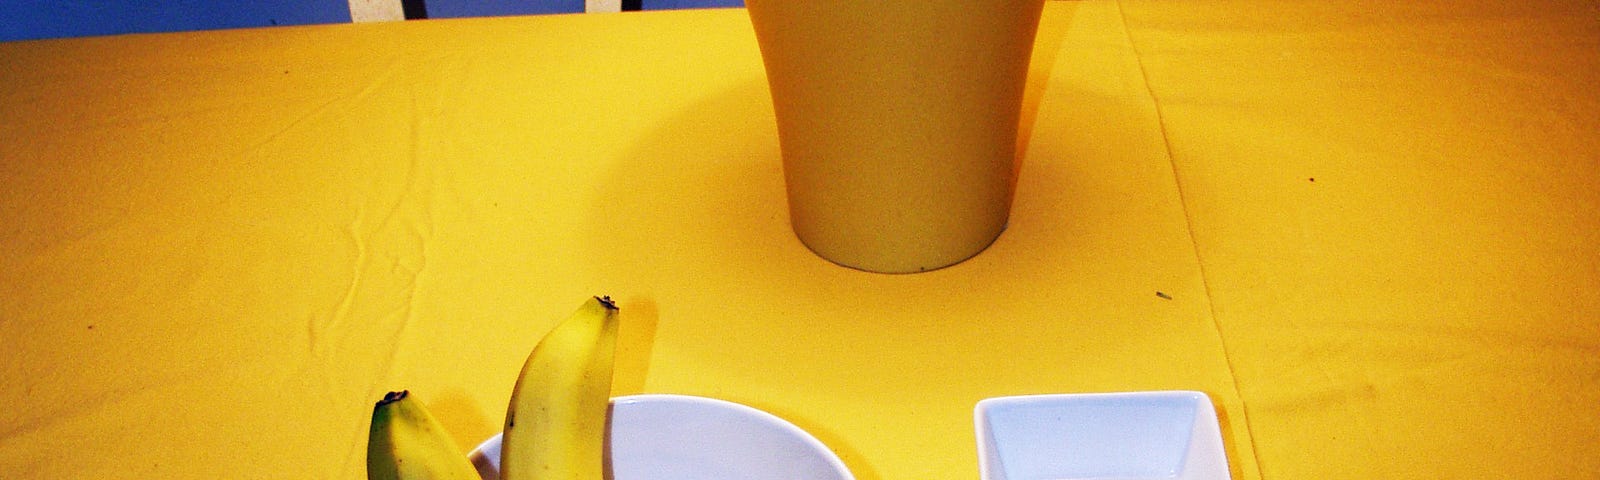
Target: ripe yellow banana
[(406, 443), (555, 426)]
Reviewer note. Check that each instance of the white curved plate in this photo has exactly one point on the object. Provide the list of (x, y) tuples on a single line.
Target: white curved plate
[(681, 437)]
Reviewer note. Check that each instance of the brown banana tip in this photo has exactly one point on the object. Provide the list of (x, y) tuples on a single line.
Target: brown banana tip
[(605, 300), (392, 397)]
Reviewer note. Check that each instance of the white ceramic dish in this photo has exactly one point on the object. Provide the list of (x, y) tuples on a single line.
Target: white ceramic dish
[(680, 437), (1125, 436)]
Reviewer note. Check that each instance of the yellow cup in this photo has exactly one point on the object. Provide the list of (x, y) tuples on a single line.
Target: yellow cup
[(898, 123)]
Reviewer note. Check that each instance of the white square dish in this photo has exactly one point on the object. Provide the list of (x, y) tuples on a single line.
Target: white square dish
[(1168, 435)]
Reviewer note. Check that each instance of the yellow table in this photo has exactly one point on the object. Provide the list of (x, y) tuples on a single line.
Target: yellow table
[(1369, 231)]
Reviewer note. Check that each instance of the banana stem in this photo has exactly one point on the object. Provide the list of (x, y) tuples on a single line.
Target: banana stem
[(392, 397)]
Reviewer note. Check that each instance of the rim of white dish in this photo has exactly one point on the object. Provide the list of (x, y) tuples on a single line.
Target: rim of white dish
[(980, 412), (760, 415)]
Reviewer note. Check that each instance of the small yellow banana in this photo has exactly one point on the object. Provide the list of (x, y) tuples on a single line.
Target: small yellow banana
[(407, 443), (555, 426)]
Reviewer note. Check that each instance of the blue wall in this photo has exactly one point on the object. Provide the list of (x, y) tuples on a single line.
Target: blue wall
[(488, 8), (491, 8), (673, 4), (30, 19)]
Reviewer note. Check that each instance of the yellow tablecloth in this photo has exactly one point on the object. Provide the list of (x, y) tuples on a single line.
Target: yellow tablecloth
[(1369, 231)]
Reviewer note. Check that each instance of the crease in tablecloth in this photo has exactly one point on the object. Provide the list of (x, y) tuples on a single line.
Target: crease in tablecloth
[(1189, 225), (390, 237), (410, 213)]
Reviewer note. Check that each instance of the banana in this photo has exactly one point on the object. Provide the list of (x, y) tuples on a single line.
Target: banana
[(555, 426), (407, 443)]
